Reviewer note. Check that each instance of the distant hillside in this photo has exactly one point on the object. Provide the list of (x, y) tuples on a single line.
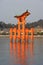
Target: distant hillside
[(28, 25), (4, 25), (35, 24)]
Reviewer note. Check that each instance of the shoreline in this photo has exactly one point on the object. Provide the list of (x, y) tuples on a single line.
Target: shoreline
[(2, 36), (7, 36)]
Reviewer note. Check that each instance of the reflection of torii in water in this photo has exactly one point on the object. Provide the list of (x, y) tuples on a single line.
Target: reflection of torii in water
[(23, 16)]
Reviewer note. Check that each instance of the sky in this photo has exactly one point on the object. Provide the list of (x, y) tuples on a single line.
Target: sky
[(10, 8)]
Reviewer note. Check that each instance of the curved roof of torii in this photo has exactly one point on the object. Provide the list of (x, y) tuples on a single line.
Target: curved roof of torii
[(25, 13)]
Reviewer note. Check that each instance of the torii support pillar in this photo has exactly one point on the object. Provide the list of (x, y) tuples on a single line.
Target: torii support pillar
[(14, 31), (11, 35)]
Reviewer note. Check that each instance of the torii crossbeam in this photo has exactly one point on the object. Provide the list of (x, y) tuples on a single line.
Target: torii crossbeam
[(23, 16)]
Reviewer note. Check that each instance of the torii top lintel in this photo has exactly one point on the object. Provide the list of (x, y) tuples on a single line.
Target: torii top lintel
[(24, 15)]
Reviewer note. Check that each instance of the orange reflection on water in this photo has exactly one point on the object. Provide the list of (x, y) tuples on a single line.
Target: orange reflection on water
[(21, 51), (18, 50), (11, 48), (23, 54), (31, 48), (31, 44), (14, 46)]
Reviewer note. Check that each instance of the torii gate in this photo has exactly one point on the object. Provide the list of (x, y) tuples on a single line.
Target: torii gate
[(21, 23), (20, 31)]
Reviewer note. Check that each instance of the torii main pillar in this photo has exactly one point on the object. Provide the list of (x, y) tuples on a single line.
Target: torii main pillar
[(21, 24)]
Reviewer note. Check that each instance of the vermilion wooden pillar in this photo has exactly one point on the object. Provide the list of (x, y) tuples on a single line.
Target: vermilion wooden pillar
[(26, 32), (22, 31), (32, 32), (11, 35), (14, 32)]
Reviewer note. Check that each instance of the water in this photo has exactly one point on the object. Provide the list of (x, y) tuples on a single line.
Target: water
[(25, 53)]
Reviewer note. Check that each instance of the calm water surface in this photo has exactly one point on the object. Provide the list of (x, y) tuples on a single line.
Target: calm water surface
[(25, 53)]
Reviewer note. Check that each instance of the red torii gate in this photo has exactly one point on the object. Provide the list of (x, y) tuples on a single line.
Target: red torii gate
[(20, 31)]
